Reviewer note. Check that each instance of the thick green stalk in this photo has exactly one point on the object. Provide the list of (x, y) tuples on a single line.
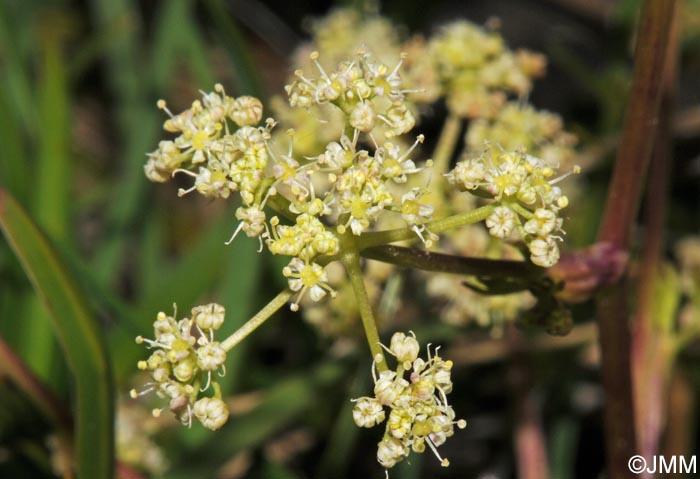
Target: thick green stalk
[(446, 144), (351, 260), (256, 321)]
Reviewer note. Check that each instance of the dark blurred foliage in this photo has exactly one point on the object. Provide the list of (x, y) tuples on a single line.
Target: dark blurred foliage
[(77, 115)]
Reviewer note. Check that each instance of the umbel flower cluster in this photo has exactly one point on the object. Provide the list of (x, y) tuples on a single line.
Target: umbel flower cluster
[(220, 146), (419, 414), (182, 365), (477, 71), (346, 177), (524, 188)]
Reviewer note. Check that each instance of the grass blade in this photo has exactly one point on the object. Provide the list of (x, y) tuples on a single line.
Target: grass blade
[(78, 336)]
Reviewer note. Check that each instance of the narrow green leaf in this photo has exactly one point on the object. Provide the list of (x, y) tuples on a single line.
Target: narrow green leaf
[(14, 168), (50, 205), (14, 74), (78, 335)]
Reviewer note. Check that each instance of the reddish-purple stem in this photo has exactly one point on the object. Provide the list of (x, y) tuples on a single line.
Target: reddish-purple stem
[(639, 131)]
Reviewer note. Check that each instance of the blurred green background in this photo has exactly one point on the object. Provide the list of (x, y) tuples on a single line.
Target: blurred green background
[(79, 83)]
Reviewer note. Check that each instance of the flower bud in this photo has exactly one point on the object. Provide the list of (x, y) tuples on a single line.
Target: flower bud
[(246, 111), (367, 412), (209, 316), (405, 348), (211, 412)]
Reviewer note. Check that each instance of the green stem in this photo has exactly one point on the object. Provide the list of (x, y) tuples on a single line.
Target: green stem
[(446, 144), (280, 205), (256, 321), (377, 238), (351, 260)]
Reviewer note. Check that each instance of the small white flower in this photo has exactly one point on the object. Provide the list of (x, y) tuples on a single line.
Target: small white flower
[(246, 111), (363, 117), (252, 220), (390, 451), (209, 316), (388, 387), (211, 356), (367, 412), (544, 252), (405, 348), (501, 222), (211, 412), (543, 222), (305, 277), (468, 174)]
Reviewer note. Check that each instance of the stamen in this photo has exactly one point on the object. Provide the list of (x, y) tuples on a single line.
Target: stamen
[(235, 233), (182, 170), (314, 58), (208, 382), (163, 106), (395, 71), (443, 462)]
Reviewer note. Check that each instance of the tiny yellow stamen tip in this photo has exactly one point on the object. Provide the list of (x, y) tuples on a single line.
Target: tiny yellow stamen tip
[(403, 55), (334, 294), (156, 412), (134, 393), (461, 424), (314, 55), (378, 358), (139, 339), (294, 307), (298, 73), (290, 132), (577, 169), (445, 463), (429, 163), (341, 229), (142, 365), (161, 104), (219, 88), (421, 138)]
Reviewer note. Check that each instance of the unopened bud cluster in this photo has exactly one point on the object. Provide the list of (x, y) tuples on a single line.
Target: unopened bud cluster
[(415, 396), (477, 70), (519, 125), (366, 90), (527, 198), (183, 363)]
